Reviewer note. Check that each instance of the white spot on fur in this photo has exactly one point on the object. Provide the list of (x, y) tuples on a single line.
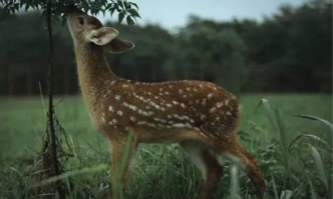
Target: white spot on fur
[(120, 113), (219, 104), (133, 119), (179, 125), (111, 109), (175, 102), (212, 110), (151, 125), (117, 97), (226, 102), (142, 122)]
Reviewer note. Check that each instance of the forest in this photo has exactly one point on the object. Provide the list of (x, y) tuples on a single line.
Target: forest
[(289, 51), (279, 67)]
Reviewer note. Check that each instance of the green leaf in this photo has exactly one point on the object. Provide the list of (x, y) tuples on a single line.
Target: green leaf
[(85, 3), (130, 21), (127, 5), (17, 6), (108, 6), (134, 13), (112, 10), (121, 17), (120, 3), (27, 6), (134, 4)]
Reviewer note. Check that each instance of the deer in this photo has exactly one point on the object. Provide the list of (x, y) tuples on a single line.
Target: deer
[(200, 116)]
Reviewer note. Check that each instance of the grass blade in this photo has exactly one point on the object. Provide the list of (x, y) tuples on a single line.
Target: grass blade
[(69, 174), (269, 111), (276, 195), (313, 137), (283, 139), (234, 184), (310, 117), (116, 182), (313, 193), (320, 166)]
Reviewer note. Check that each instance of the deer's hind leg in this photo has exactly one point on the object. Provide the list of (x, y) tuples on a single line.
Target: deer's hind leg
[(204, 159), (237, 151)]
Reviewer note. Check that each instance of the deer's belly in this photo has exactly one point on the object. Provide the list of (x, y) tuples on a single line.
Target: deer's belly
[(150, 135)]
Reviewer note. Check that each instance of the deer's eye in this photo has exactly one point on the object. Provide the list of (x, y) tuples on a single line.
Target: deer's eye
[(80, 20)]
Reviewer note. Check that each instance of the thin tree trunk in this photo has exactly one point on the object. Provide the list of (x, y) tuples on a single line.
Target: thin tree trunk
[(50, 159)]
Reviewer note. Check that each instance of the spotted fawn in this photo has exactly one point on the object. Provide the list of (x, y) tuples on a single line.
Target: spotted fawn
[(201, 116)]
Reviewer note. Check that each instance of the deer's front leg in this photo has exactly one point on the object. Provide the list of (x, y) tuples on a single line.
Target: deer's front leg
[(122, 153)]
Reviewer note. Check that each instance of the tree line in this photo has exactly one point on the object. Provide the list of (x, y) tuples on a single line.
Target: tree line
[(290, 51)]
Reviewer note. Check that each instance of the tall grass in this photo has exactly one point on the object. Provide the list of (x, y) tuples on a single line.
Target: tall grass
[(294, 167)]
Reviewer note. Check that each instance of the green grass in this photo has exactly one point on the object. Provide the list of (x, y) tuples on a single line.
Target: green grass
[(164, 171)]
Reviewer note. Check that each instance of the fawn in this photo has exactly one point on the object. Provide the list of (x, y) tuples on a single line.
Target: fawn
[(200, 116)]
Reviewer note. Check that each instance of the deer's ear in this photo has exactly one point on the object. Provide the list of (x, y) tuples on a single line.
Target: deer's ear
[(119, 46), (102, 36)]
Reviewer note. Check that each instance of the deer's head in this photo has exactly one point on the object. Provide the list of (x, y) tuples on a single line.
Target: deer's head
[(88, 29)]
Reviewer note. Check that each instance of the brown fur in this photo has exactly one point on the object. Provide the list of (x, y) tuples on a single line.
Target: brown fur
[(183, 111)]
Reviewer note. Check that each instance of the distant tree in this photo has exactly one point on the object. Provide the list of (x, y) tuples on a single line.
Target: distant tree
[(213, 55)]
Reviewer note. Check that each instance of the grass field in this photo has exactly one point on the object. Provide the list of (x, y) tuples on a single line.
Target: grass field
[(164, 171)]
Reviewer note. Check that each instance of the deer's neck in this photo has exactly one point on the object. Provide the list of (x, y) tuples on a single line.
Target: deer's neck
[(93, 70)]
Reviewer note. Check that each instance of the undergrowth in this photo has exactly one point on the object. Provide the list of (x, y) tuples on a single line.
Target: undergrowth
[(300, 168)]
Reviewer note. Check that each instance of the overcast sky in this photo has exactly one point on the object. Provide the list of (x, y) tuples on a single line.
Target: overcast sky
[(174, 13)]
